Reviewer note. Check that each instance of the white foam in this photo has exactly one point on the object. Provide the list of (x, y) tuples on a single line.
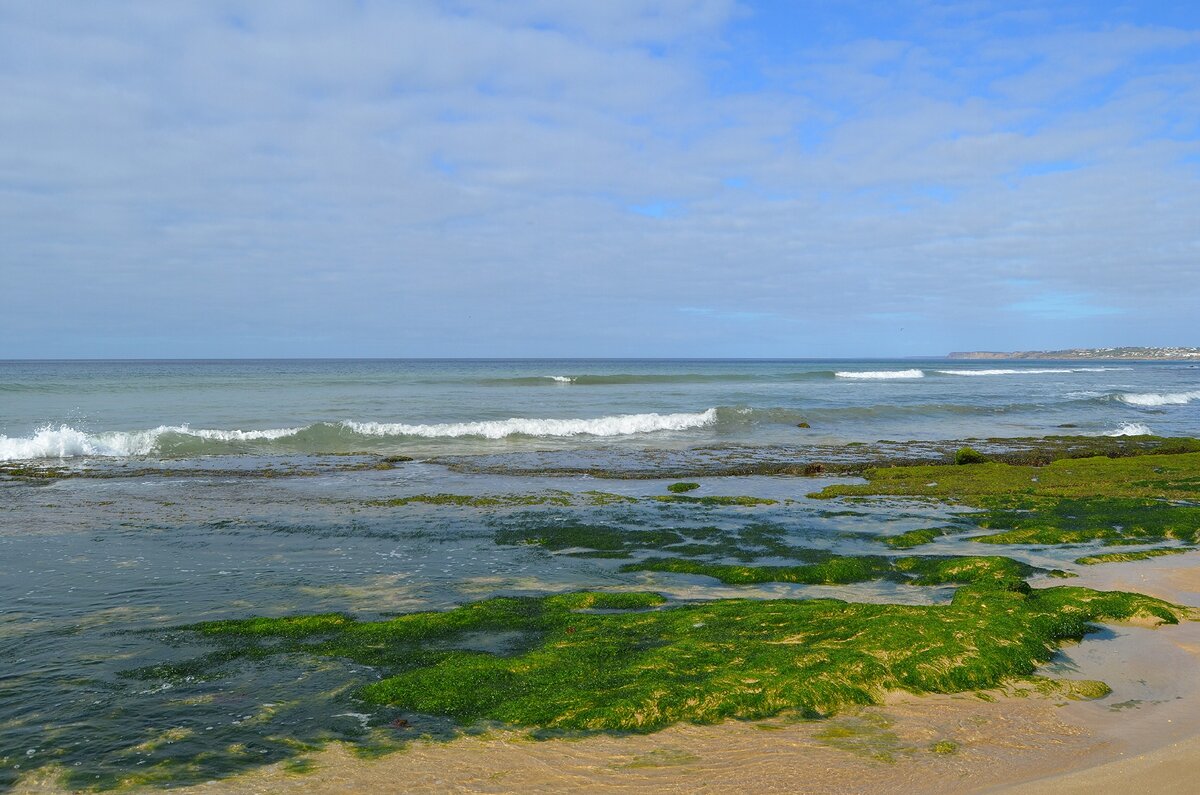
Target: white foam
[(50, 442), (561, 379), (618, 425), (1158, 398), (1131, 429), (1032, 371), (67, 442), (880, 374)]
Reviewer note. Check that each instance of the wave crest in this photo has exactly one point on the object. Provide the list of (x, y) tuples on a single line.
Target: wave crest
[(1132, 429), (880, 374), (618, 425), (1158, 398), (65, 441)]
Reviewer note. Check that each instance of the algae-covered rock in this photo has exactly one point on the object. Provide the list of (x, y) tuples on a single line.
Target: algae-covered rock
[(968, 455)]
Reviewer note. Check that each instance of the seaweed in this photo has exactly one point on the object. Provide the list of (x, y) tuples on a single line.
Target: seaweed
[(631, 662), (1120, 557), (842, 569)]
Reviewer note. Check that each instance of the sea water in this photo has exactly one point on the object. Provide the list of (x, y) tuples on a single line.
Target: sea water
[(208, 490), (181, 409)]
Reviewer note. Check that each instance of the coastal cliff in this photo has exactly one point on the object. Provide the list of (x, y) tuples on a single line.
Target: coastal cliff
[(1163, 354)]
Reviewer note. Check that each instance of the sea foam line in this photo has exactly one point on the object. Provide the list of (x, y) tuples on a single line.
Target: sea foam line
[(1158, 398), (1032, 371), (880, 374), (618, 425), (1132, 429), (63, 441)]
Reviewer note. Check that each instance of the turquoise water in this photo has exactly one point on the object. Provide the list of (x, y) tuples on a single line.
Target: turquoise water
[(209, 490)]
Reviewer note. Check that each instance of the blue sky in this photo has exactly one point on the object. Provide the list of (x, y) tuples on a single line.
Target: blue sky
[(626, 178)]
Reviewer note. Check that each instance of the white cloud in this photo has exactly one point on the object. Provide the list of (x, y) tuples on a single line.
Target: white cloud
[(456, 178)]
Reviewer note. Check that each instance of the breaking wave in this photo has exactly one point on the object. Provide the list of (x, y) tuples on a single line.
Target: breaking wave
[(1132, 429), (1158, 398), (880, 374), (65, 441), (1032, 371), (618, 379)]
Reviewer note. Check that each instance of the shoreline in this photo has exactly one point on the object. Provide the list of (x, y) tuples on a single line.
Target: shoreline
[(986, 740), (1008, 745)]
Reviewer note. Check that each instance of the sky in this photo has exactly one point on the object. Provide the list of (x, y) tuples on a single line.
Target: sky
[(627, 178)]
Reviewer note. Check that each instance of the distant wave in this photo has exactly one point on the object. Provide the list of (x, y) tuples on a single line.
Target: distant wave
[(1131, 429), (616, 379), (1158, 398), (1032, 371), (880, 374), (619, 425), (65, 441)]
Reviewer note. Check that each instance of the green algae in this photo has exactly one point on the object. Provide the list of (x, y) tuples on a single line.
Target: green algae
[(680, 488), (631, 662), (969, 455), (1114, 501), (742, 500), (844, 569), (603, 498), (759, 539), (1046, 687), (915, 538), (594, 537), (1154, 477), (1072, 520), (478, 501), (867, 735), (837, 570), (943, 747), (661, 757), (1121, 557)]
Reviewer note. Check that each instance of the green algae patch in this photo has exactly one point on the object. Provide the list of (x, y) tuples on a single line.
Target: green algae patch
[(1115, 501), (715, 500), (660, 757), (943, 747), (843, 569), (867, 735), (1045, 687), (836, 570), (603, 498), (680, 488), (969, 455), (631, 662), (916, 538), (1069, 520), (1122, 557), (598, 538), (561, 498), (760, 539), (1150, 476)]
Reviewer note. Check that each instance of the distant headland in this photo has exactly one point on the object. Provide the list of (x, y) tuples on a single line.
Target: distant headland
[(1177, 354)]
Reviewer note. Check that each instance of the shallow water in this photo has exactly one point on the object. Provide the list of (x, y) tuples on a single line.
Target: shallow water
[(100, 571)]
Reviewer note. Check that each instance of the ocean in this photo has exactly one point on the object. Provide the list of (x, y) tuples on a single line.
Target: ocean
[(173, 492), (185, 409)]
